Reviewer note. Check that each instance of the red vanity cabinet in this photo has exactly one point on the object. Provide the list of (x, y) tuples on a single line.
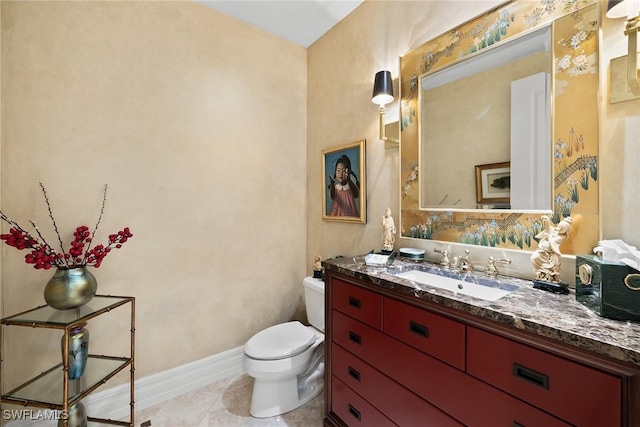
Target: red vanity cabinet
[(393, 359)]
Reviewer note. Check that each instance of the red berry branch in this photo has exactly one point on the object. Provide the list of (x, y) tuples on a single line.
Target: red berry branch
[(80, 253)]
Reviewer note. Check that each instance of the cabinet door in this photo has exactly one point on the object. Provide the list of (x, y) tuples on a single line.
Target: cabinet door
[(353, 410), (579, 394), (431, 333), (396, 402), (359, 303)]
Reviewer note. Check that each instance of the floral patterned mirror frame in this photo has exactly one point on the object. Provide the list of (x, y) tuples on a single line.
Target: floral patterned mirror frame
[(575, 109)]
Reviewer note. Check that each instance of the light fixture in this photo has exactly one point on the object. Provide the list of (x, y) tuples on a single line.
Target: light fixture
[(617, 9), (630, 9), (383, 94)]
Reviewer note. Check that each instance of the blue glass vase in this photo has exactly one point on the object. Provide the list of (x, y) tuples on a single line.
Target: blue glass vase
[(78, 351)]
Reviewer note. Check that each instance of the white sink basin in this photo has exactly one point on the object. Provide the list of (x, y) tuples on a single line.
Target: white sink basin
[(459, 286)]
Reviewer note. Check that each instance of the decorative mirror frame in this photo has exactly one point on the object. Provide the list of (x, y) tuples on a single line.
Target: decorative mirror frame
[(575, 112)]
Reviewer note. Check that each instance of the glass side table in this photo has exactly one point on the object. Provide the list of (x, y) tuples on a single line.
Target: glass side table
[(52, 389)]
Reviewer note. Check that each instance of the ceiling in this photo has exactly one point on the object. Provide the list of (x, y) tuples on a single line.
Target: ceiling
[(299, 21)]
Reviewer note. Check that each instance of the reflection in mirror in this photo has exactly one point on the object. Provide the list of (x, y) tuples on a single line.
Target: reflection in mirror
[(489, 110)]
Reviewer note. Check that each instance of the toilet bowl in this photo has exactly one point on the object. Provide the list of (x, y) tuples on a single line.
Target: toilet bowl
[(287, 360)]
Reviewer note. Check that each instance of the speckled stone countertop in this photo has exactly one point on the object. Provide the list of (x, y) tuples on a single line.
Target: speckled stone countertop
[(559, 317)]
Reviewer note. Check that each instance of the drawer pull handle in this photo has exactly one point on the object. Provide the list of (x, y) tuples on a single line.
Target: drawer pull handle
[(355, 338), (353, 411), (529, 375), (355, 374), (419, 329), (517, 424), (354, 302)]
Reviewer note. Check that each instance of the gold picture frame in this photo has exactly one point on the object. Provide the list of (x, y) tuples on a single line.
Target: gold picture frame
[(344, 195), (493, 183)]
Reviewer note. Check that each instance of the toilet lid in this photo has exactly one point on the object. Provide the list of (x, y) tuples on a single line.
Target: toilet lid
[(280, 341)]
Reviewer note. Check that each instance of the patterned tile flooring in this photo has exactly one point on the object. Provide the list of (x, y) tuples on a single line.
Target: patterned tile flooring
[(226, 404)]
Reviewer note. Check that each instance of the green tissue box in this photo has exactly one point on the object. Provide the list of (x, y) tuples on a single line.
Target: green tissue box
[(611, 289)]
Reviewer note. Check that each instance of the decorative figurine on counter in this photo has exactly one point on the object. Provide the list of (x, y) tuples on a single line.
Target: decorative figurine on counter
[(388, 232), (547, 259), (317, 267)]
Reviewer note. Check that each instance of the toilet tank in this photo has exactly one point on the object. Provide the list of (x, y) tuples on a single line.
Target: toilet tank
[(314, 300)]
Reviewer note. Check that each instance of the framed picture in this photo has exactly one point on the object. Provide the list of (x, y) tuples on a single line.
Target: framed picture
[(344, 195), (493, 183)]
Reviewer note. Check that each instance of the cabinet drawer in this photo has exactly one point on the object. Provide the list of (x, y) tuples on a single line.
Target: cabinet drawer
[(357, 302), (396, 402), (576, 393), (355, 336), (486, 406), (352, 409), (434, 334)]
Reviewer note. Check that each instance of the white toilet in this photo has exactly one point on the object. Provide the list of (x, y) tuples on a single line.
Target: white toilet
[(287, 360)]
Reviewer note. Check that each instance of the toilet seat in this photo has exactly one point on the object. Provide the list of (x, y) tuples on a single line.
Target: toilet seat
[(280, 341)]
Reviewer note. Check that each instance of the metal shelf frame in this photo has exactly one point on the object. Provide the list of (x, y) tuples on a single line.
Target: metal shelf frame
[(47, 317)]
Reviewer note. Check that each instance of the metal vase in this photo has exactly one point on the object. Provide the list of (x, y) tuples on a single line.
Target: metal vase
[(70, 288), (76, 416), (78, 351)]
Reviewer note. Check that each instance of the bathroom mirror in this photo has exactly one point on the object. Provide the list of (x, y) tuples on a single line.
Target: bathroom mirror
[(489, 109), (477, 174)]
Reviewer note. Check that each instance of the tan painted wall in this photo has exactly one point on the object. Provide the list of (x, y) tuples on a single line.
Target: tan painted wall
[(198, 124)]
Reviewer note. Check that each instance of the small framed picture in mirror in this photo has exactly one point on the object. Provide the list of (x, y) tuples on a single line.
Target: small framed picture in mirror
[(493, 183)]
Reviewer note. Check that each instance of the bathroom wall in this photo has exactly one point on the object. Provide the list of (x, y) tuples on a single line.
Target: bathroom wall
[(197, 122), (372, 38)]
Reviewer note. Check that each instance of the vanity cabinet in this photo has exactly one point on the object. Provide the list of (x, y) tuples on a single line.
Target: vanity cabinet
[(396, 360)]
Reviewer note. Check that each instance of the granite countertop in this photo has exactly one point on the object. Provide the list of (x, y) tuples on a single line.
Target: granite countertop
[(559, 317)]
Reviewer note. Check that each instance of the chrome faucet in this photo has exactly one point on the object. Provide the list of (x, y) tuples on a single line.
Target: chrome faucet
[(444, 261), (491, 270)]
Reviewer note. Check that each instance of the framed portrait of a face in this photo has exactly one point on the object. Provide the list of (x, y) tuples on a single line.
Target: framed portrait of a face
[(344, 185)]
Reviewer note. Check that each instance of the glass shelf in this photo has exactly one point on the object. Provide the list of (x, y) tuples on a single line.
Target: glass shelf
[(46, 388), (47, 317), (99, 422)]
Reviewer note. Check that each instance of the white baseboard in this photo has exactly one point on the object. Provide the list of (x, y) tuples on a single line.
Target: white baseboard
[(113, 403)]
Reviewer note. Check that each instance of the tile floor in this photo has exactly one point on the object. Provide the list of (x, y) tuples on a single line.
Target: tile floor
[(226, 404)]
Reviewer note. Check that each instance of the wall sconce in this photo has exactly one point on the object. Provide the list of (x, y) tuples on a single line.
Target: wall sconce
[(383, 94), (630, 9)]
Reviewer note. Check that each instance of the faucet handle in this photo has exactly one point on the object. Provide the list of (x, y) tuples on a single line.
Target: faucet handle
[(445, 257), (491, 270)]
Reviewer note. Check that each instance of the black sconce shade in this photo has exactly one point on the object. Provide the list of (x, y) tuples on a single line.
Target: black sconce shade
[(382, 88), (617, 9)]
